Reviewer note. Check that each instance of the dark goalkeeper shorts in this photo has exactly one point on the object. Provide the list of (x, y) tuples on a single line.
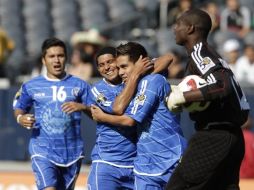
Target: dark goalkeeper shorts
[(212, 161)]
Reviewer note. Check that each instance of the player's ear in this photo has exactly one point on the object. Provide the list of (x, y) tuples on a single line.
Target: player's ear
[(43, 60), (191, 29)]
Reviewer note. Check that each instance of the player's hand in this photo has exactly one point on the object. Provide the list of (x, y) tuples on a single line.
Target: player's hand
[(97, 113), (70, 107), (175, 99), (142, 66), (166, 58), (27, 121)]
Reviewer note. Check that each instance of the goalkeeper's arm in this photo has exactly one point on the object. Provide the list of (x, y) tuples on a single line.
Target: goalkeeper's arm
[(177, 98)]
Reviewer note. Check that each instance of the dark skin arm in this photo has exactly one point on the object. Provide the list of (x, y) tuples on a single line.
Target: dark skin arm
[(116, 120), (220, 89), (142, 67), (193, 96)]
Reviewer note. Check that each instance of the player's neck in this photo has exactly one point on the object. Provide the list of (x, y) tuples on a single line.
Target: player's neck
[(117, 80), (113, 82), (192, 42), (56, 77)]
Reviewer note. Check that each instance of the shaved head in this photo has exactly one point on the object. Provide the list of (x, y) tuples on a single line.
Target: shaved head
[(199, 19)]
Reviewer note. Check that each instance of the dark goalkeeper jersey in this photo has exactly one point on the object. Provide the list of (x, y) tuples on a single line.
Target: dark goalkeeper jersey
[(228, 102)]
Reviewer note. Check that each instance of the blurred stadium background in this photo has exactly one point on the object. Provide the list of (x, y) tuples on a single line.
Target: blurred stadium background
[(29, 22)]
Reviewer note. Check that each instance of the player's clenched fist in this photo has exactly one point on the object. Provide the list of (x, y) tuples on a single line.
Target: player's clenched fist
[(26, 120), (97, 113)]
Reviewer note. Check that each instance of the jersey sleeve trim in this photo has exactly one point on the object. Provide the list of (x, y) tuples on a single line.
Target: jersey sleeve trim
[(100, 98), (204, 64)]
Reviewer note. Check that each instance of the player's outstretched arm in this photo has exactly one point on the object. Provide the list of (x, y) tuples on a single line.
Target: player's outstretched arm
[(142, 66), (24, 119), (162, 63), (116, 120)]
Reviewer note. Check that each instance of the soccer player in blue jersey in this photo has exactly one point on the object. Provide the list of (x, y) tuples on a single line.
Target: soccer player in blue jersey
[(160, 140), (56, 146), (115, 147)]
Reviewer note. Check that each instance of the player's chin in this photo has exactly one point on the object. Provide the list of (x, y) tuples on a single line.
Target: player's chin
[(58, 72), (180, 43), (113, 76)]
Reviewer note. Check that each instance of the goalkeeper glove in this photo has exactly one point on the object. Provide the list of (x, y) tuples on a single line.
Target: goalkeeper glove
[(175, 99)]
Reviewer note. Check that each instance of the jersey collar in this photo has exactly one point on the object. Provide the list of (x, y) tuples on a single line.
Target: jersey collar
[(55, 80)]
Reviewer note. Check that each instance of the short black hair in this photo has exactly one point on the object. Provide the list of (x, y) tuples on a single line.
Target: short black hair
[(51, 42), (199, 19), (105, 50), (133, 49)]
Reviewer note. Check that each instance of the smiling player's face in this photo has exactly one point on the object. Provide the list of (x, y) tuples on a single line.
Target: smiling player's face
[(107, 68), (125, 67), (54, 60)]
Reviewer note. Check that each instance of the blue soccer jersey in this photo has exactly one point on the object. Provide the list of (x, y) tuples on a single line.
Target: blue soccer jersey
[(161, 142), (114, 145), (55, 135)]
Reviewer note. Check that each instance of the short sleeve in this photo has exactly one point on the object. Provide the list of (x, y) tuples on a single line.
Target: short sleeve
[(151, 92), (22, 99)]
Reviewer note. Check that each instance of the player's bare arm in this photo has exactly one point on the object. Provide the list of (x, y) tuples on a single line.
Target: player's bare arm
[(142, 66), (116, 120), (24, 119), (219, 87), (162, 63)]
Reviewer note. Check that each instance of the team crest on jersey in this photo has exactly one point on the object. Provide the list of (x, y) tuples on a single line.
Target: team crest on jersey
[(206, 64), (101, 98), (75, 91)]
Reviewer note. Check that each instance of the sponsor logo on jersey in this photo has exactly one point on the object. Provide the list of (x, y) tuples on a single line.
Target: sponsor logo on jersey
[(201, 84), (40, 94)]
